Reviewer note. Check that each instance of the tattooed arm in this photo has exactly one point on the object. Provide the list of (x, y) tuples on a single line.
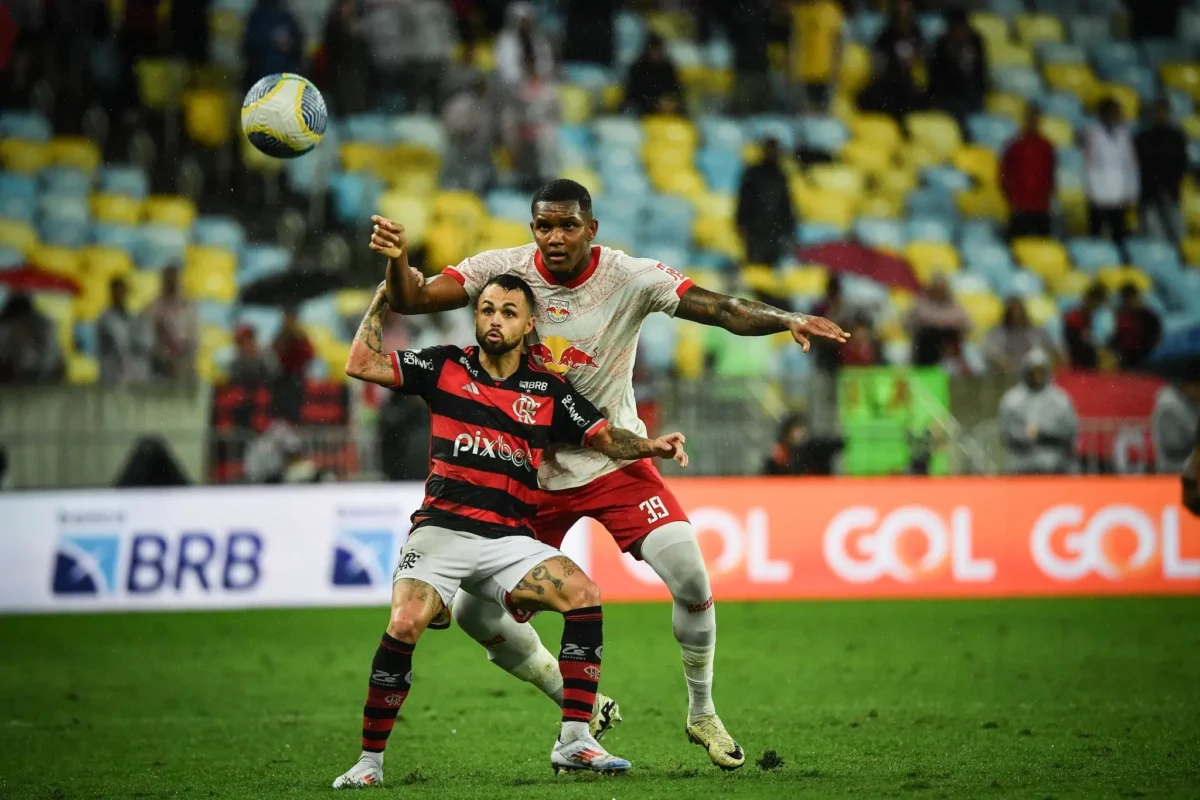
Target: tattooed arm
[(367, 360), (623, 445), (752, 318)]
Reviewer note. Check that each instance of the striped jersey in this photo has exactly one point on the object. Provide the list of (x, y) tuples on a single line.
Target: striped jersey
[(488, 437), (586, 329)]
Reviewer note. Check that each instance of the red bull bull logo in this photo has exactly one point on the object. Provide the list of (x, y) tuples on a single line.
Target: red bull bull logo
[(558, 311), (558, 355)]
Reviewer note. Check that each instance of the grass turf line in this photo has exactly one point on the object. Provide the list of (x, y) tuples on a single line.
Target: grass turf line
[(1018, 698)]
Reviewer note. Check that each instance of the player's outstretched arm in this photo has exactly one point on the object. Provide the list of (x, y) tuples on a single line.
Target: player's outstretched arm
[(618, 443), (367, 360), (752, 318), (407, 291)]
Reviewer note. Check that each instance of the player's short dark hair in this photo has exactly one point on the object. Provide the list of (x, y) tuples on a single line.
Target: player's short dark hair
[(510, 282), (563, 191)]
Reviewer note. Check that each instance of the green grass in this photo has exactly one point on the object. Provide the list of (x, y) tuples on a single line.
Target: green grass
[(1058, 698)]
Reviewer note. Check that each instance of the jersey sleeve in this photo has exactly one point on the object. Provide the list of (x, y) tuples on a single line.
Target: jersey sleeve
[(659, 286), (576, 420), (416, 371), (474, 272)]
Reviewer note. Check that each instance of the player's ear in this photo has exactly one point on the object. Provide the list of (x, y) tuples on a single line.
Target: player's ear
[(592, 227)]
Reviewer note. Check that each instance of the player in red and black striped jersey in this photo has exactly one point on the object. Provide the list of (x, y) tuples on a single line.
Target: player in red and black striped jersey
[(493, 415)]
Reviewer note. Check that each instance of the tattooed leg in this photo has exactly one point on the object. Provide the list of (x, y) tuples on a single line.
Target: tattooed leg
[(556, 584), (414, 605)]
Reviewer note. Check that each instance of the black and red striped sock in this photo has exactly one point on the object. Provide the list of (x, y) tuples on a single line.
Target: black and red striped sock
[(387, 689), (579, 662)]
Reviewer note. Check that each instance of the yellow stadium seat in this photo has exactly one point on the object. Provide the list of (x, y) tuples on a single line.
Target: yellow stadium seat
[(866, 156), (808, 281), (411, 212), (1006, 104), (719, 235), (657, 153), (1071, 284), (1078, 79), (878, 130), (576, 104), (1191, 126), (353, 302), (935, 131), (18, 235), (414, 182), (896, 181), (840, 178), (881, 204), (978, 162), (759, 278), (209, 260), (144, 287), (586, 176), (689, 357), (1191, 250), (498, 234), (1114, 278), (1009, 54), (1041, 309), (670, 130), (106, 262), (173, 210), (82, 370), (405, 156), (1125, 96), (1182, 76), (1038, 28), (611, 97), (160, 82), (715, 204), (363, 156), (460, 208), (824, 206), (982, 202), (1058, 131), (77, 152), (213, 337), (94, 295), (1074, 207), (117, 209), (218, 286), (855, 69), (24, 157), (685, 181), (335, 354), (984, 309), (901, 299), (931, 258), (992, 27), (446, 244), (1045, 257), (207, 117), (59, 260)]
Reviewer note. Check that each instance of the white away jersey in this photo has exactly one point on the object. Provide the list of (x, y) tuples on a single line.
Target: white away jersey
[(586, 330)]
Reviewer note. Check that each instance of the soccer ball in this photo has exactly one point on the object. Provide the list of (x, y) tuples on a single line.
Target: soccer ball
[(284, 115)]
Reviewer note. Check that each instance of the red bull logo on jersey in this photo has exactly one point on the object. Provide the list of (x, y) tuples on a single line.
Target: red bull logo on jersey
[(559, 356), (558, 310)]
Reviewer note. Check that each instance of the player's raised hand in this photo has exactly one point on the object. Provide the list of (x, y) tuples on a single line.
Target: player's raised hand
[(388, 238), (671, 446), (803, 326)]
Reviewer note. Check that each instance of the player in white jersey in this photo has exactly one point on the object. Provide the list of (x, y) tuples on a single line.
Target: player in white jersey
[(591, 302)]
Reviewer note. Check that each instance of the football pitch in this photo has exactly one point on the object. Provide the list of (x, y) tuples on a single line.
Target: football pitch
[(1015, 698)]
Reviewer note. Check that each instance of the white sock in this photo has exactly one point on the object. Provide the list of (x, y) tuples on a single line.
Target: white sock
[(374, 759), (573, 731), (541, 669), (511, 645), (698, 671)]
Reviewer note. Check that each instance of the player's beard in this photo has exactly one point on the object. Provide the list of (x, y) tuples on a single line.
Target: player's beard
[(495, 348)]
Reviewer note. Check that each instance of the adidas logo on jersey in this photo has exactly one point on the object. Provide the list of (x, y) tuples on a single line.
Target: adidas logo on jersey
[(471, 389)]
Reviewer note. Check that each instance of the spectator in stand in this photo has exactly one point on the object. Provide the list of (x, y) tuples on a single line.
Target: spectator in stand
[(1173, 425), (532, 129), (898, 55), (864, 348), (344, 64), (1190, 478), (798, 452), (430, 38), (1027, 177), (175, 330), (1162, 159), (249, 368), (652, 85), (519, 45), (472, 122), (816, 51), (273, 41), (765, 217), (937, 325), (1008, 343), (1038, 423), (293, 350), (1138, 329), (832, 306), (1082, 350), (1110, 174), (958, 73), (29, 348), (748, 26), (123, 340)]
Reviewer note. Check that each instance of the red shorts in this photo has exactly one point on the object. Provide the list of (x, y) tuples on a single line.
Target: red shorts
[(629, 503)]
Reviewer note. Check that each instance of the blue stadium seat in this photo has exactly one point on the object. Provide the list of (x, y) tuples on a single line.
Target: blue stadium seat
[(262, 261), (615, 158), (507, 204), (420, 129), (1110, 56), (932, 26), (1154, 256), (948, 178), (1026, 283), (1023, 81), (823, 134), (874, 232), (720, 53), (721, 168), (1190, 296), (1142, 79), (11, 258), (672, 255), (1193, 149), (1007, 8), (668, 220), (993, 263), (266, 322), (716, 131), (929, 228), (931, 200), (1157, 52), (1180, 102), (129, 181), (779, 127), (618, 214), (574, 137), (1065, 105), (65, 181), (811, 234), (86, 339), (355, 197), (1089, 29), (991, 130), (18, 196), (975, 232), (211, 230), (969, 283), (593, 77), (214, 314), (160, 246), (321, 312), (625, 184), (25, 125), (629, 33), (1068, 171), (63, 220), (369, 128), (124, 237), (863, 292), (656, 346), (867, 26), (1090, 255)]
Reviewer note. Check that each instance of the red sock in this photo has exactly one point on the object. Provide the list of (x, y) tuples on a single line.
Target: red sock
[(579, 661), (391, 677)]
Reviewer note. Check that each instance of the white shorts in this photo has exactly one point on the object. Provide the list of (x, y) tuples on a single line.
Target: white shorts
[(447, 559)]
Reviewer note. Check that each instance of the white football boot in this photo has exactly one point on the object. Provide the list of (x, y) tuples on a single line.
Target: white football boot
[(606, 714), (708, 732), (584, 754), (367, 772)]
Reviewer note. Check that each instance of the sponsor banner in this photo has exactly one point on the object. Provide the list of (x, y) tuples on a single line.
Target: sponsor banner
[(914, 537)]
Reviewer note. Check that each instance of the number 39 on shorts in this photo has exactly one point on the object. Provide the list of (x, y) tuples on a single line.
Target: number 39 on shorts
[(654, 508)]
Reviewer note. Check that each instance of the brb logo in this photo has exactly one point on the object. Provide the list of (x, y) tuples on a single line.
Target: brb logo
[(1117, 542), (155, 562), (908, 544), (364, 558), (492, 448)]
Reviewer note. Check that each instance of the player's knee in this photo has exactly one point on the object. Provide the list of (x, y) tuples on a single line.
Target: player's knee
[(581, 594), (405, 627)]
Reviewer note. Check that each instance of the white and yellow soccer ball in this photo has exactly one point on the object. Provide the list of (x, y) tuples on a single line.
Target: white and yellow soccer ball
[(284, 115)]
